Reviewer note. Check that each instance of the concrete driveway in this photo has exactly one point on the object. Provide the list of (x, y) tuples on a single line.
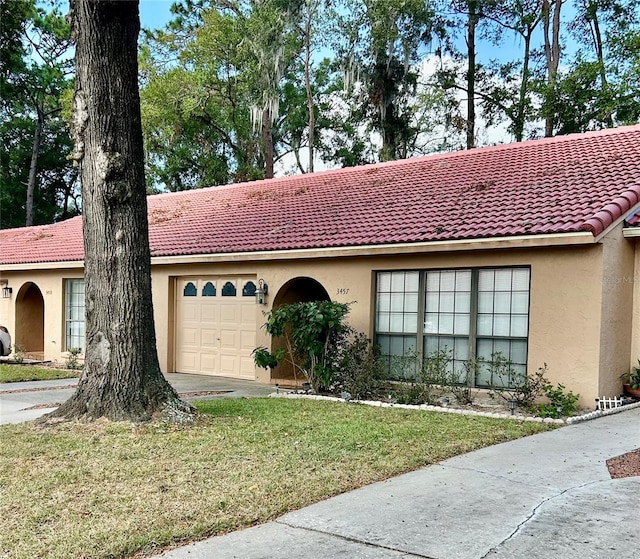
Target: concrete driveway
[(17, 399)]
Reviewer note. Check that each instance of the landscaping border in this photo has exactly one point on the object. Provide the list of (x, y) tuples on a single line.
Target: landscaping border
[(442, 409)]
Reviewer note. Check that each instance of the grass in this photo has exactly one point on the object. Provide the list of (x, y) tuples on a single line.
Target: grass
[(20, 373), (113, 490)]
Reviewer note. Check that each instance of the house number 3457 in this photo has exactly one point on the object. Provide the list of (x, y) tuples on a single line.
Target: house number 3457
[(342, 291)]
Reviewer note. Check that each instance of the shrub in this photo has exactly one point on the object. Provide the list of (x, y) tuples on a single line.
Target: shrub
[(561, 403), (264, 359), (72, 361), (434, 377), (313, 333), (513, 385), (360, 370), (460, 386), (19, 353), (418, 381)]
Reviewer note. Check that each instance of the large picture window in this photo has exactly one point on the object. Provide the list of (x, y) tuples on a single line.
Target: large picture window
[(74, 314), (465, 312)]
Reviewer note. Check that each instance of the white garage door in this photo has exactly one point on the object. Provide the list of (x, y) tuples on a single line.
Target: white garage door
[(216, 326)]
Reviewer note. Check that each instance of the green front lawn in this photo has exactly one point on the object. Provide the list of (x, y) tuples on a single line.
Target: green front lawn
[(19, 373), (111, 490)]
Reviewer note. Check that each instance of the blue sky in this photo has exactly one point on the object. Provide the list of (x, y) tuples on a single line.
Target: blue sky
[(154, 14)]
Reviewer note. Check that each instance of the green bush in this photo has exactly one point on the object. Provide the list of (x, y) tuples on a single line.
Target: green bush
[(72, 361), (19, 353), (360, 370), (561, 403), (434, 378), (313, 333), (512, 385)]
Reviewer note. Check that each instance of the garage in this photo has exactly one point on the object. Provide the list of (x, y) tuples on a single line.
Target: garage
[(216, 326)]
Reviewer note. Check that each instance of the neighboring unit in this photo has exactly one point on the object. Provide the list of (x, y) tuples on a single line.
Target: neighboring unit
[(531, 249)]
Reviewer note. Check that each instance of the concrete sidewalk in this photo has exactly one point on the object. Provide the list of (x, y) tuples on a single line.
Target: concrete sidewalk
[(548, 495), (16, 398)]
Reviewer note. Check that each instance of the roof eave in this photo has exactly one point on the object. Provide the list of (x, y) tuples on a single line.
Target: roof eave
[(20, 267), (523, 241), (490, 243)]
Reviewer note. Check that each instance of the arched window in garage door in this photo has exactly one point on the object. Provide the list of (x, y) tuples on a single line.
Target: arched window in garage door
[(228, 290), (249, 289), (190, 290), (209, 289)]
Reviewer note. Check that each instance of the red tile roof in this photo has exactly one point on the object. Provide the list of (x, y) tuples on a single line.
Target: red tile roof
[(565, 184)]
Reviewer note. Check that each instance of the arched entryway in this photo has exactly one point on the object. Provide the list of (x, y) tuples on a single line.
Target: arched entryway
[(297, 290), (29, 334)]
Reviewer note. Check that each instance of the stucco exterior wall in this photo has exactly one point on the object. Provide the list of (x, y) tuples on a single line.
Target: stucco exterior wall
[(635, 327), (51, 285), (618, 279), (568, 300), (565, 307)]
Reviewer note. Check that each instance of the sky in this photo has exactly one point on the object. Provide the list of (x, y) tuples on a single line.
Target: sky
[(154, 14)]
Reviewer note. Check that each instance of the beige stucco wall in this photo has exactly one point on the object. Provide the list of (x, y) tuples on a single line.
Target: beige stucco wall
[(617, 311), (51, 285), (635, 327), (566, 299), (570, 299)]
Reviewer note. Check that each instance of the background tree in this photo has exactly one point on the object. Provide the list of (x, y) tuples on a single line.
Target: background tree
[(507, 86), (121, 379), (380, 52), (197, 125), (224, 91), (38, 182), (551, 10), (236, 90)]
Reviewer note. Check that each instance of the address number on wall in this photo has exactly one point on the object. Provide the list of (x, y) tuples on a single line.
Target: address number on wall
[(342, 291)]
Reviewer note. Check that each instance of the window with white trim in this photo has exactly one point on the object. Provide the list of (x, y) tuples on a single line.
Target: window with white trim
[(74, 314), (464, 311)]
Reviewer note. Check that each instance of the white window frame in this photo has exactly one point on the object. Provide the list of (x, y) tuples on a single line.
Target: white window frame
[(74, 314)]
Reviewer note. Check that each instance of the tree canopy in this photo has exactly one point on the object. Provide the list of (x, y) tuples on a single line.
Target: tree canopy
[(38, 183), (237, 90)]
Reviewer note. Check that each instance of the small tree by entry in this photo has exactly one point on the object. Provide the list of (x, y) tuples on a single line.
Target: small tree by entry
[(121, 379), (314, 333)]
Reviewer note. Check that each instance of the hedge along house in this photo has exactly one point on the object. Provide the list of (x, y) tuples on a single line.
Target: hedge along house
[(531, 249)]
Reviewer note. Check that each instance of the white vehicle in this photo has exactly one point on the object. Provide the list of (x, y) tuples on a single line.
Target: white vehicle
[(5, 341)]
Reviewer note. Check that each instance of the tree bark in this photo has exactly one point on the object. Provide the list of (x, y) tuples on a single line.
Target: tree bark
[(267, 142), (307, 85), (33, 166), (599, 48), (121, 379), (520, 117), (472, 22), (552, 55)]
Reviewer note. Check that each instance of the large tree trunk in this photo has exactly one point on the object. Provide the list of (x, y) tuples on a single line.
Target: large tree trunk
[(599, 48), (307, 85), (520, 117), (267, 142), (121, 379)]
